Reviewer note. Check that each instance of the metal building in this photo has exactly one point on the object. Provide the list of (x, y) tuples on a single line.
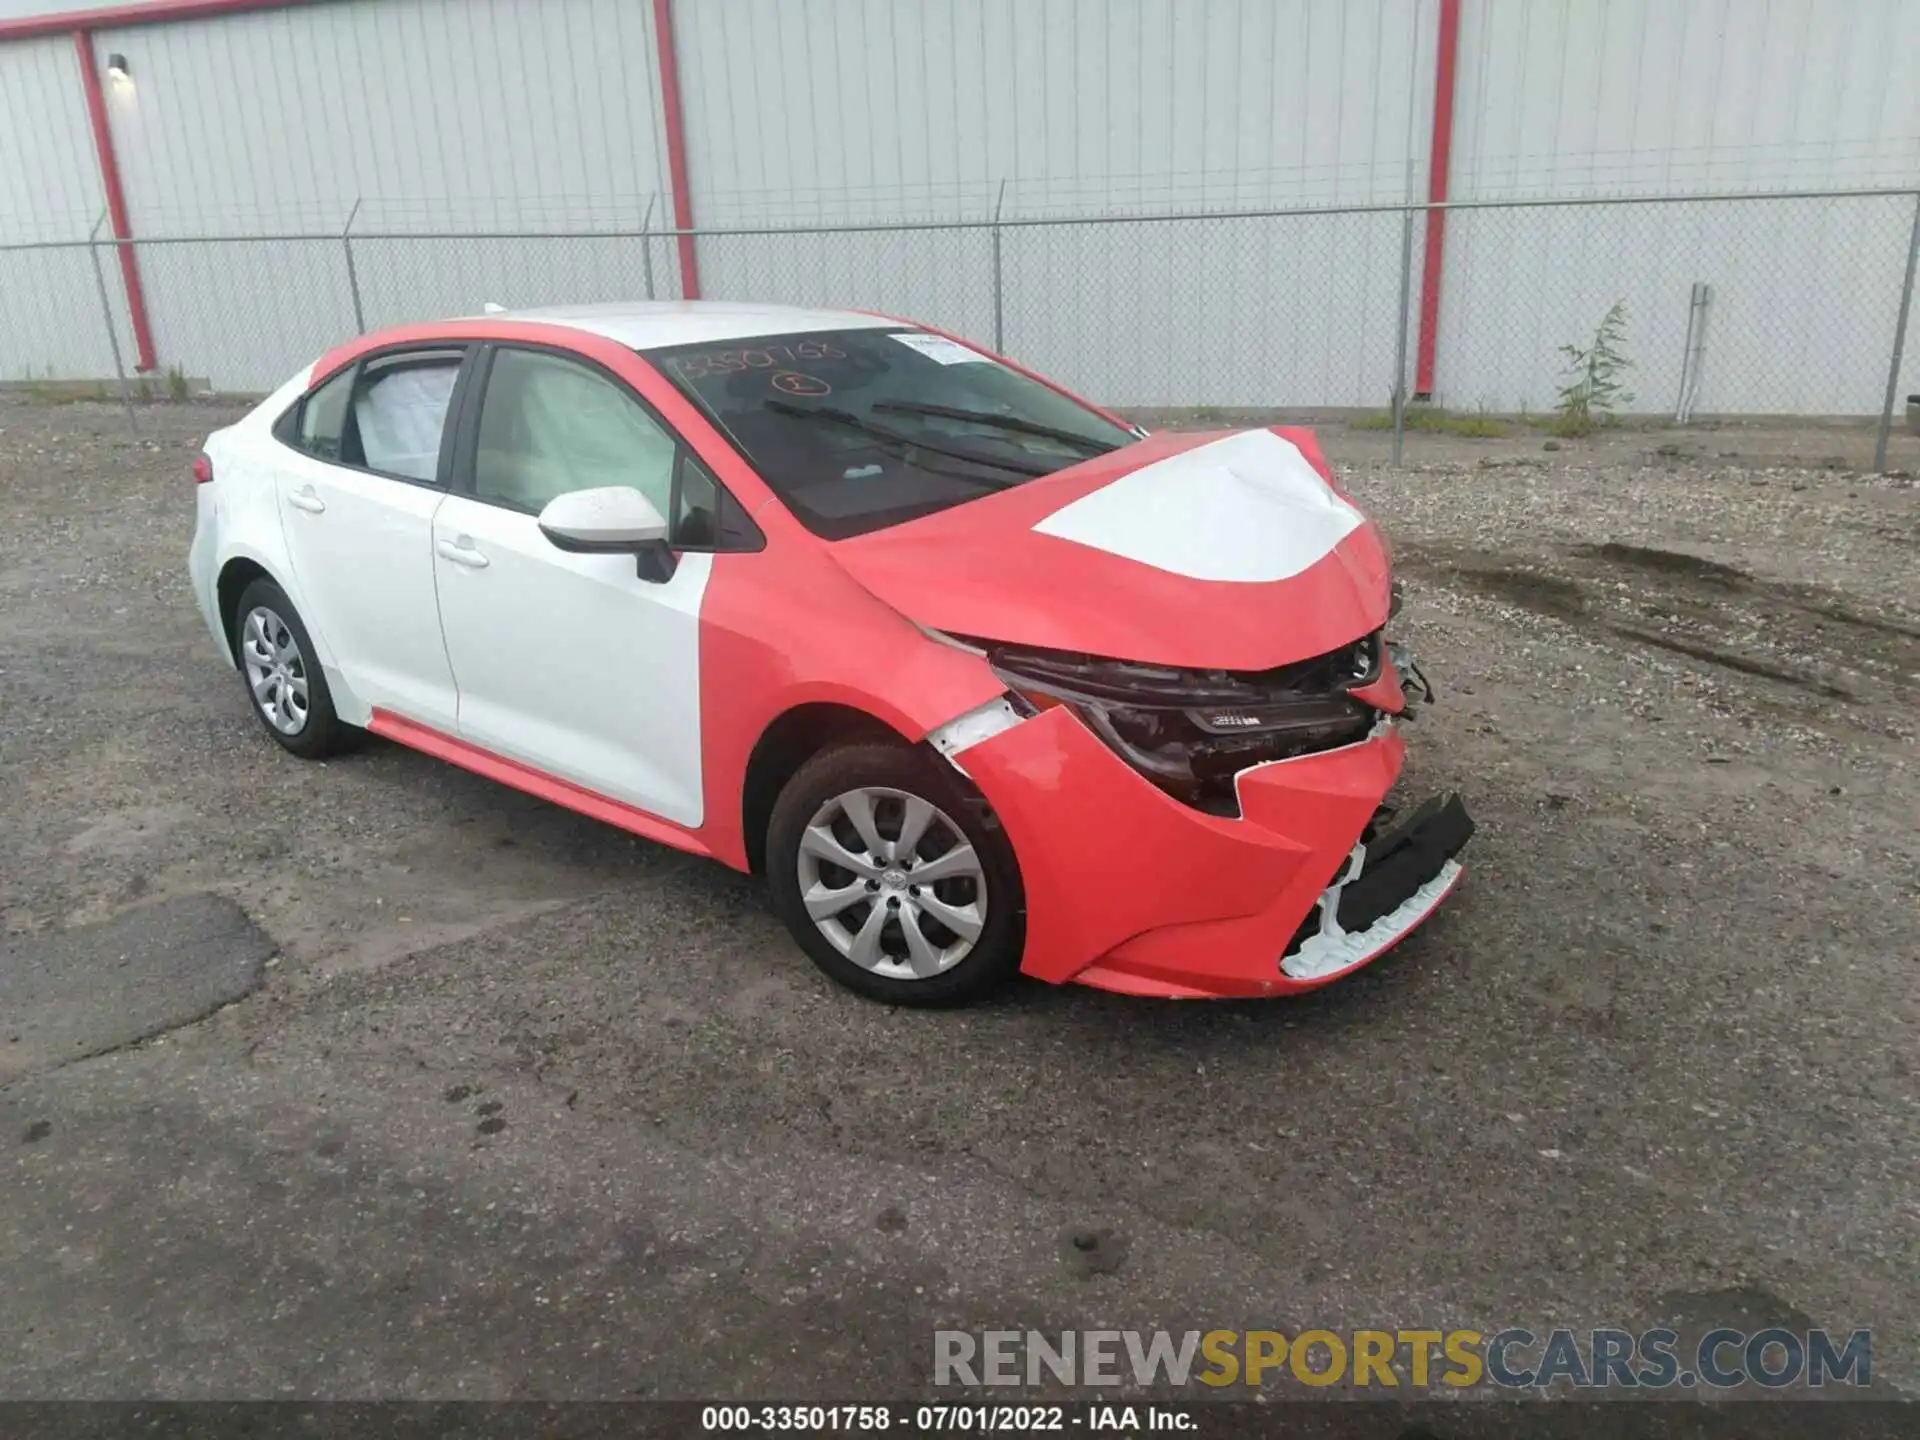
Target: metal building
[(341, 134)]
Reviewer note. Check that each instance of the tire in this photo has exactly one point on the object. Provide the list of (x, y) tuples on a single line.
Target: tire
[(976, 886), (285, 683)]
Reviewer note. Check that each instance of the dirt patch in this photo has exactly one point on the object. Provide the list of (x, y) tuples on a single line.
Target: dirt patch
[(1695, 607), (1745, 664), (1667, 562), (1537, 590)]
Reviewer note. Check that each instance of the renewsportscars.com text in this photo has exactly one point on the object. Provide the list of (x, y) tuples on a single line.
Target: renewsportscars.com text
[(1512, 1359)]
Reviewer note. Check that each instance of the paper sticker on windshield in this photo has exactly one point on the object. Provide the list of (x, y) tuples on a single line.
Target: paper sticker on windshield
[(939, 348)]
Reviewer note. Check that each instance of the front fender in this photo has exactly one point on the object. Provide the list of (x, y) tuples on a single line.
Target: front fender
[(780, 629)]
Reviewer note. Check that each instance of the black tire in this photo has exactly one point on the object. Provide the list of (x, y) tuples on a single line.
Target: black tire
[(320, 732), (995, 953)]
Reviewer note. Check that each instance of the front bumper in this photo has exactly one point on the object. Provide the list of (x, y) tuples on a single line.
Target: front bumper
[(1127, 889), (1401, 870)]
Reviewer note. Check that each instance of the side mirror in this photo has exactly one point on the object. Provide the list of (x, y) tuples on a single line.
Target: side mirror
[(612, 520)]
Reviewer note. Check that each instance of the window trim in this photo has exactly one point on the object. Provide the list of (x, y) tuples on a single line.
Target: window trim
[(754, 541), (467, 442), (288, 425)]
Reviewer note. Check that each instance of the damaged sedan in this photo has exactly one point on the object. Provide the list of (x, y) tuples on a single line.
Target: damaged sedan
[(980, 678)]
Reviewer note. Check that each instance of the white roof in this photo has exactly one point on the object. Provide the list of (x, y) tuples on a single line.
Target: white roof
[(646, 324)]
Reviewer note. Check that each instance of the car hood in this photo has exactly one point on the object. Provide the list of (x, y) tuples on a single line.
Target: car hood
[(1212, 551)]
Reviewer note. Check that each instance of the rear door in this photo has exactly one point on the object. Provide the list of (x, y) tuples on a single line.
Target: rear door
[(573, 663), (358, 491)]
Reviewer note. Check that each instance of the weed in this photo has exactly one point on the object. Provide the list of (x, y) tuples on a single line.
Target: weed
[(176, 383), (1478, 425), (1596, 377)]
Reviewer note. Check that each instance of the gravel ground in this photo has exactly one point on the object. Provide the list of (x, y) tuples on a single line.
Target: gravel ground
[(523, 1106)]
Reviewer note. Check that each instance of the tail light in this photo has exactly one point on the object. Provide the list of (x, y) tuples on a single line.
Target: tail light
[(202, 469)]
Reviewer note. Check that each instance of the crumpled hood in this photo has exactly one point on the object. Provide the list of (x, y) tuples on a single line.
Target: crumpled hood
[(1211, 551)]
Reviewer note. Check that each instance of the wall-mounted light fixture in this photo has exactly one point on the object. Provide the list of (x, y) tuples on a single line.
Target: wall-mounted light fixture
[(117, 68)]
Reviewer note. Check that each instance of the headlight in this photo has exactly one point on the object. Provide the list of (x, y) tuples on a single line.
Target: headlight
[(1191, 731)]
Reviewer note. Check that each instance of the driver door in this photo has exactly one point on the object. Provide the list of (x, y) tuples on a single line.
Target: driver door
[(570, 663)]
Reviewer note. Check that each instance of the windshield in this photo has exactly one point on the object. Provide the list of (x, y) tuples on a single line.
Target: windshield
[(856, 430)]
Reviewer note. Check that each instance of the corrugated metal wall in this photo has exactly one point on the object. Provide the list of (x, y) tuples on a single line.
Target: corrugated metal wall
[(49, 184), (49, 190), (434, 114), (835, 110), (1653, 97), (1560, 97), (871, 109), (544, 114), (430, 115)]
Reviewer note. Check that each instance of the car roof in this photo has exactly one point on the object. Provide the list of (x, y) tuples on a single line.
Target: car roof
[(653, 324)]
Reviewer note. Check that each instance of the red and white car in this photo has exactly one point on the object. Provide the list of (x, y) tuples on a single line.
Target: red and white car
[(980, 677)]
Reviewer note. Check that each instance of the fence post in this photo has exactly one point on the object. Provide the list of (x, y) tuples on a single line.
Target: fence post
[(353, 275), (1899, 344), (646, 242), (1400, 343), (999, 319), (106, 314)]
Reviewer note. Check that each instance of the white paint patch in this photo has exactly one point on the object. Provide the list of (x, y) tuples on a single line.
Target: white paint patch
[(983, 722), (1333, 949), (1249, 508)]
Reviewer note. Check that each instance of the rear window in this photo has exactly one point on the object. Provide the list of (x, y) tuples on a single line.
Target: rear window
[(856, 430)]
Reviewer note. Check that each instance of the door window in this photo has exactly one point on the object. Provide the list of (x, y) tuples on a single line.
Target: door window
[(323, 419), (549, 426), (705, 514), (399, 414)]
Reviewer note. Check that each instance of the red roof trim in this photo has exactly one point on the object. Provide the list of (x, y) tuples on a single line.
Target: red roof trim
[(116, 200), (138, 12)]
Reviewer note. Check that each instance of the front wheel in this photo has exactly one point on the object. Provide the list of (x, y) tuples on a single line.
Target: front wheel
[(893, 879)]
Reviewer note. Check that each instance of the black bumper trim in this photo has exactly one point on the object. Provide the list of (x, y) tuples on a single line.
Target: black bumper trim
[(1413, 848)]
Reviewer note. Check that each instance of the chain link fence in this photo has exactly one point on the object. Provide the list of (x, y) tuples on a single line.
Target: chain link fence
[(1751, 305)]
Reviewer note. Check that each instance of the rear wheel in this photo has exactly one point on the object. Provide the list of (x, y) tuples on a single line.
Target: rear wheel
[(893, 879), (284, 680)]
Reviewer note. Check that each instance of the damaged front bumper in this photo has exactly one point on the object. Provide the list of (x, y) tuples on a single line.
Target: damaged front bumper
[(1128, 889), (1400, 871)]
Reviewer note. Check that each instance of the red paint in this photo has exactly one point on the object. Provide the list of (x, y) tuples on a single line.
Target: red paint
[(1189, 904), (1384, 692), (779, 628), (148, 12), (676, 147), (116, 200), (1441, 156), (1118, 977), (982, 569), (534, 782)]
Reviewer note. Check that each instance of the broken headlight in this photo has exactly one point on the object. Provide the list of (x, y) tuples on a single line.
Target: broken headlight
[(1191, 731)]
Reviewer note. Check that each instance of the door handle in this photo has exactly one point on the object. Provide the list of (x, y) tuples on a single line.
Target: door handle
[(305, 499), (461, 552)]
